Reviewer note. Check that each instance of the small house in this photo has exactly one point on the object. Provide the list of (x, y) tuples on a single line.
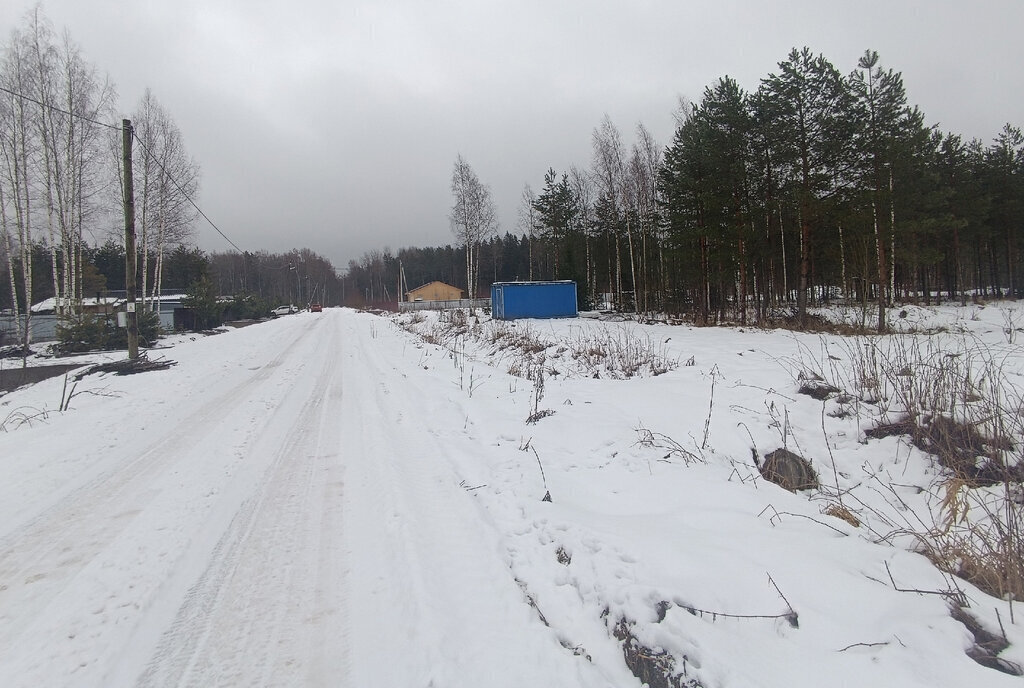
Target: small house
[(511, 300), (434, 291), (100, 305)]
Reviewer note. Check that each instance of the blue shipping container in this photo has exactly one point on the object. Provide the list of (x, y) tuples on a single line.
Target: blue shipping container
[(511, 300)]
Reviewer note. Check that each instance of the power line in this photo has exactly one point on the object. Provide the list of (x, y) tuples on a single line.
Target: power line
[(183, 192), (60, 110), (144, 147)]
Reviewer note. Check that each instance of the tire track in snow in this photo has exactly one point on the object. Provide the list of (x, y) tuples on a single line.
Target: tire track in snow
[(48, 552), (266, 609)]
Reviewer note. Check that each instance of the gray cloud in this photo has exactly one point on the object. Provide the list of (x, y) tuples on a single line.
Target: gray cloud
[(334, 125)]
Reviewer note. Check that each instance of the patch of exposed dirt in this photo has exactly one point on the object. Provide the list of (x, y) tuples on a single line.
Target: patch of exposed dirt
[(959, 447), (654, 667), (13, 378), (987, 646)]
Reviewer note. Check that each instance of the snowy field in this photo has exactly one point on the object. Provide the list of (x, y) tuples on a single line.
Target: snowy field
[(349, 499)]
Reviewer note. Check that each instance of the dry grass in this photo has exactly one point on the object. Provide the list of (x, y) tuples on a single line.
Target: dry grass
[(841, 512), (609, 352), (977, 536), (951, 396), (664, 443), (812, 323), (620, 353)]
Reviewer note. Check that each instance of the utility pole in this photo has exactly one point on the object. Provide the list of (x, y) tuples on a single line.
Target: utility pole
[(129, 241)]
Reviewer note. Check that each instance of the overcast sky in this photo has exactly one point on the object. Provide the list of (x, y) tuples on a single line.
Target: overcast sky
[(334, 124)]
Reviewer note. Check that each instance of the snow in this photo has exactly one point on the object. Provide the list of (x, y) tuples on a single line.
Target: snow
[(50, 305), (329, 500)]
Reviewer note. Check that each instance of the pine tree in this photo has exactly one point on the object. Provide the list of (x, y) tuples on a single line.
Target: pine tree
[(813, 135), (881, 105), (684, 182), (725, 121), (1005, 176)]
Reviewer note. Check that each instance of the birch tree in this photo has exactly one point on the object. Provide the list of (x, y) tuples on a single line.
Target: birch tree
[(167, 179), (473, 217), (528, 221), (582, 186), (644, 164), (609, 174), (72, 99), (19, 152), (54, 169)]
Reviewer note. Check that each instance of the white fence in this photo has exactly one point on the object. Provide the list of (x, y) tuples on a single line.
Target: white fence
[(44, 328), (404, 306)]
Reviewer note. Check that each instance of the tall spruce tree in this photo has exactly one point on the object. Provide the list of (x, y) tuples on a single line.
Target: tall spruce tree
[(556, 206), (557, 211)]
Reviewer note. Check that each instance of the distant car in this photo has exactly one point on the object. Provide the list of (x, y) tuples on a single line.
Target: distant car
[(284, 310), (315, 308)]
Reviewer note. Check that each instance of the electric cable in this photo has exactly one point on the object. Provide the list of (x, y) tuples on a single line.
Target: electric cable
[(145, 149)]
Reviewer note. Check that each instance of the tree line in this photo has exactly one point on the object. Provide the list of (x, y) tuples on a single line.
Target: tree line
[(819, 185), (298, 276)]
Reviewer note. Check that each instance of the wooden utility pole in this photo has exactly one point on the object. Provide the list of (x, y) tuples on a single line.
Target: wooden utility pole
[(129, 241)]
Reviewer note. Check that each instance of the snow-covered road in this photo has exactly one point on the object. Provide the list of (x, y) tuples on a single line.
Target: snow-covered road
[(328, 499), (283, 517)]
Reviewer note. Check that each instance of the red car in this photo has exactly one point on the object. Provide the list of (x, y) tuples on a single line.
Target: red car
[(315, 308)]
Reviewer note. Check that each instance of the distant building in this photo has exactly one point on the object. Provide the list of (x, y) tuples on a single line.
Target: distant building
[(434, 291), (103, 305), (169, 308), (511, 300)]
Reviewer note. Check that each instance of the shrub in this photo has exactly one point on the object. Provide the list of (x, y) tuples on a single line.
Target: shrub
[(85, 332), (88, 332), (247, 307), (149, 331), (201, 297)]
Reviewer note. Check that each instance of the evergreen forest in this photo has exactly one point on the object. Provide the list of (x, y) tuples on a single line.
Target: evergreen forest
[(818, 186)]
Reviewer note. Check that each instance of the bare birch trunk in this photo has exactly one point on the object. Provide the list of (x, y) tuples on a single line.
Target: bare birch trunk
[(589, 271), (24, 228), (880, 253), (785, 272), (13, 282), (842, 265), (632, 266), (892, 242), (743, 282), (618, 271)]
